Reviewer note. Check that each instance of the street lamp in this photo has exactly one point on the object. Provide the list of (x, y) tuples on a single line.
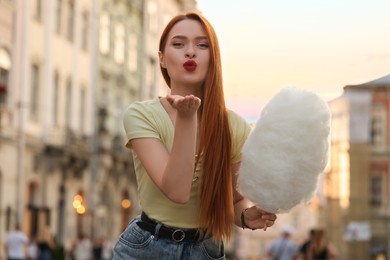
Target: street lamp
[(79, 204)]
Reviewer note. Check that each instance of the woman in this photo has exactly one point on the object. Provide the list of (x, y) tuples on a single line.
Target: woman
[(186, 151), (319, 248)]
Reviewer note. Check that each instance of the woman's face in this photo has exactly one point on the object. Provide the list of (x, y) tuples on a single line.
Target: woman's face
[(186, 54)]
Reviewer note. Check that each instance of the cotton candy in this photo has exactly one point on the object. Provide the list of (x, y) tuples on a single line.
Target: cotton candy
[(286, 151)]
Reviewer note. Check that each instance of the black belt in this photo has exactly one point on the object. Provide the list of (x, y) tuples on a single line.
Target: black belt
[(176, 234)]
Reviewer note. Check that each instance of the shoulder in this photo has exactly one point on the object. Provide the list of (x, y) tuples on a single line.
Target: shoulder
[(144, 105), (142, 110), (238, 124), (234, 117)]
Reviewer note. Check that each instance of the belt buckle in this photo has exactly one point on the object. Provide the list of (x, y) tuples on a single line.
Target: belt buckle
[(178, 232)]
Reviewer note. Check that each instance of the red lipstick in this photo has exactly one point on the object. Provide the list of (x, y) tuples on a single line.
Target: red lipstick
[(190, 65)]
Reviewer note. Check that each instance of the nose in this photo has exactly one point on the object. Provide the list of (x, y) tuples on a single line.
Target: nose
[(190, 52), (190, 56)]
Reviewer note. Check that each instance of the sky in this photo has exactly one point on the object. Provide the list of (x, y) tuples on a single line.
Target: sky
[(316, 45)]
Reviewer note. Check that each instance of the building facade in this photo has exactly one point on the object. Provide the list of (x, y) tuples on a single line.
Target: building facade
[(68, 70), (118, 74), (7, 10), (357, 185), (46, 133)]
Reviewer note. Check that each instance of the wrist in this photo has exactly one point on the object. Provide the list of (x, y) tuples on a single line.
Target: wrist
[(243, 223)]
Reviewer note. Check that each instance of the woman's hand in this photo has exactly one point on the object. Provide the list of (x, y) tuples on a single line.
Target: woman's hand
[(256, 218), (185, 106)]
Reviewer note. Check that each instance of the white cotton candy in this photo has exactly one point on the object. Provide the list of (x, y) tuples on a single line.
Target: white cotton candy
[(286, 151)]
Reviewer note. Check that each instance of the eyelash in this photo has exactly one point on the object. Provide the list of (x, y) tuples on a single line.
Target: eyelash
[(200, 45), (177, 44), (203, 45)]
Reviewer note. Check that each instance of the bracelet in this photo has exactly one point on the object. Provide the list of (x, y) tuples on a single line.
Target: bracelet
[(243, 224)]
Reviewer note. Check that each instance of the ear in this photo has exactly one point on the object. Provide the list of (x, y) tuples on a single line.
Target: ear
[(161, 57)]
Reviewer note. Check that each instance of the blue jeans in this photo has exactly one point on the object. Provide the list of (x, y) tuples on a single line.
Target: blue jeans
[(136, 243)]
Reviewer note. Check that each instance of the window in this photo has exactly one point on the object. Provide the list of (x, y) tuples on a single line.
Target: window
[(3, 85), (5, 66), (118, 114), (166, 18), (84, 32), (70, 20), (151, 77), (119, 44), (104, 37), (68, 98), (376, 190), (132, 52), (56, 89), (106, 97), (378, 126), (59, 16), (38, 10), (33, 208), (153, 17), (126, 208), (83, 102), (34, 92)]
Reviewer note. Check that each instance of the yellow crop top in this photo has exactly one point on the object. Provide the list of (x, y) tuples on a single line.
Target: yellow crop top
[(148, 119)]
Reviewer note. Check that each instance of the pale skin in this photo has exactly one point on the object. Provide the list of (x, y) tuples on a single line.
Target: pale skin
[(173, 172)]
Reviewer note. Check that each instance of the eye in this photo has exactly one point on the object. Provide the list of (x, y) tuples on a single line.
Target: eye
[(177, 44), (203, 45)]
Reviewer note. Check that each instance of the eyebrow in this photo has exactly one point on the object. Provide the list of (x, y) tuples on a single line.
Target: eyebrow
[(185, 37)]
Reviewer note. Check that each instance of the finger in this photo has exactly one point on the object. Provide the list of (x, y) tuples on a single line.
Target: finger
[(265, 225), (269, 216), (198, 101), (270, 223), (170, 100)]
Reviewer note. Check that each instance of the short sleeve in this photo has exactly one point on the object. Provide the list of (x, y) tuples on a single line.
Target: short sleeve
[(240, 130), (138, 122)]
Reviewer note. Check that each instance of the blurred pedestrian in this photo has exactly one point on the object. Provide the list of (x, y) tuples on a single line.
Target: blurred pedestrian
[(97, 249), (32, 249), (320, 248), (46, 244), (82, 248), (305, 246), (107, 248), (16, 243), (102, 249), (284, 248)]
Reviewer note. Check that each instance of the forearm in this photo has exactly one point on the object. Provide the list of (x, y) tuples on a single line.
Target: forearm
[(240, 203), (239, 207), (180, 168)]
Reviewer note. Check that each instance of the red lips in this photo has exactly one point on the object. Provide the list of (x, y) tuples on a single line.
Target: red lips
[(190, 65)]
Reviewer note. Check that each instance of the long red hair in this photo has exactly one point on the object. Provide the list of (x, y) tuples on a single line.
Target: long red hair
[(216, 193)]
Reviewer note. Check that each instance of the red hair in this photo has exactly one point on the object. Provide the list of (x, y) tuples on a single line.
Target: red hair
[(216, 191)]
